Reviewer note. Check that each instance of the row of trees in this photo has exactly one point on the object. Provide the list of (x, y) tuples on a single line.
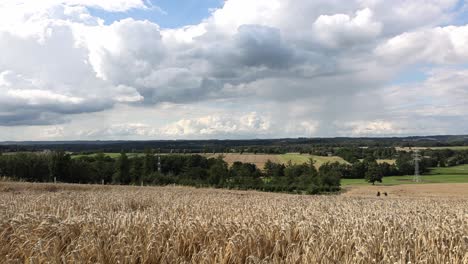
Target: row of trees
[(373, 171), (432, 157), (197, 170), (192, 170), (354, 154), (447, 157)]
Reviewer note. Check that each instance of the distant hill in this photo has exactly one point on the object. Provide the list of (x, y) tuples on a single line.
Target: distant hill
[(282, 145)]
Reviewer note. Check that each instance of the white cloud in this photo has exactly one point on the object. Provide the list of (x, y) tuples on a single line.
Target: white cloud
[(245, 12), (52, 132), (263, 68), (438, 45), (250, 124), (38, 97), (340, 30), (369, 128), (124, 50), (46, 73)]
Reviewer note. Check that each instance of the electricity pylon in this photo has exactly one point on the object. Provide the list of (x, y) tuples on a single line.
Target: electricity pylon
[(159, 163), (417, 158)]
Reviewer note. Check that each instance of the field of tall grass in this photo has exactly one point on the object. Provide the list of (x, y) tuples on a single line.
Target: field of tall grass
[(41, 223)]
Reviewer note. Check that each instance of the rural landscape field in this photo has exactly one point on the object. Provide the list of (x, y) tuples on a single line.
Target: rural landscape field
[(45, 223), (234, 131), (324, 204)]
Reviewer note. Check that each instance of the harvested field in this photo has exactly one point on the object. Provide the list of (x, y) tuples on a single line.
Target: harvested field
[(260, 159), (457, 190), (297, 158), (187, 225), (388, 161)]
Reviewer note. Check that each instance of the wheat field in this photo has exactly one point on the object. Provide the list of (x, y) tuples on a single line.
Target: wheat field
[(98, 224)]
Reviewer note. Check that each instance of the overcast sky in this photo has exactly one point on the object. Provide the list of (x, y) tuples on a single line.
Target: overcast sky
[(200, 69)]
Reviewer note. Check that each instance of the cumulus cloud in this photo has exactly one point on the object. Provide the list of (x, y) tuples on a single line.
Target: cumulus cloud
[(216, 125), (370, 128), (124, 50), (309, 67), (47, 74), (261, 46), (440, 45), (340, 30), (170, 84), (208, 126), (119, 131)]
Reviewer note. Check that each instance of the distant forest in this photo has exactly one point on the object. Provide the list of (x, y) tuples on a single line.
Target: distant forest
[(269, 146)]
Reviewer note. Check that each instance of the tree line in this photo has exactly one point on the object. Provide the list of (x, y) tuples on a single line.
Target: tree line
[(373, 171), (436, 157), (273, 146), (197, 170), (152, 169)]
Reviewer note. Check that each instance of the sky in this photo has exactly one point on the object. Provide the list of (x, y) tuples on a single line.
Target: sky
[(235, 69)]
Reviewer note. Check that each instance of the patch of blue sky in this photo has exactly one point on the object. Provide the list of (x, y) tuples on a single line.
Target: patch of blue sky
[(461, 11), (165, 13), (412, 74), (420, 72)]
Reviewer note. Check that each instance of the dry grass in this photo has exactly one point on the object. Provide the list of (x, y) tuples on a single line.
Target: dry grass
[(94, 224), (389, 161), (380, 161), (443, 190), (260, 159)]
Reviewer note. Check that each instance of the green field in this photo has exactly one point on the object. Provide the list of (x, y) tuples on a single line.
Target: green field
[(457, 174), (456, 170), (297, 158)]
